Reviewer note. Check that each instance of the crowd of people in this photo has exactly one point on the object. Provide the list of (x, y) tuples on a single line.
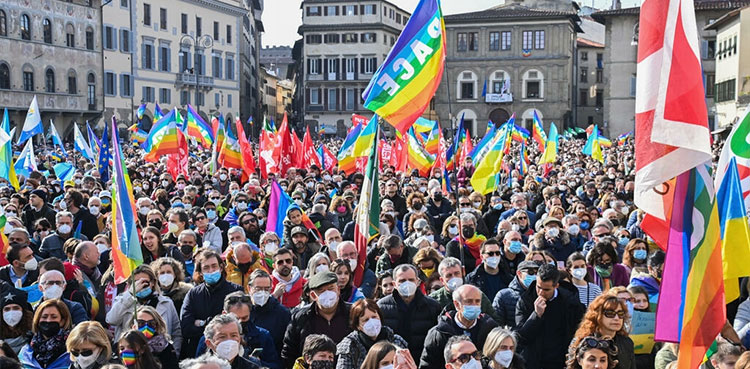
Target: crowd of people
[(547, 271)]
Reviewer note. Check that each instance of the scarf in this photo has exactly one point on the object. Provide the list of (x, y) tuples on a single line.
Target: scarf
[(473, 244), (45, 351), (93, 273), (158, 343), (295, 276)]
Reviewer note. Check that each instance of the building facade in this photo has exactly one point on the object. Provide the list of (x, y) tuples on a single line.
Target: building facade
[(508, 59), (590, 83), (51, 50), (732, 88), (279, 60), (343, 43), (174, 53), (268, 95), (252, 29), (621, 40)]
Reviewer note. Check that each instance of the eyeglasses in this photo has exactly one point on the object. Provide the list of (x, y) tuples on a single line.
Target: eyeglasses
[(199, 218), (611, 314), (284, 261), (53, 283), (601, 235), (493, 253), (239, 298), (465, 204), (41, 229), (76, 353), (150, 323), (215, 198), (464, 358), (523, 218)]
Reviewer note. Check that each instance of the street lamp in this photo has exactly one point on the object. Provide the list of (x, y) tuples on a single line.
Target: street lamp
[(196, 44)]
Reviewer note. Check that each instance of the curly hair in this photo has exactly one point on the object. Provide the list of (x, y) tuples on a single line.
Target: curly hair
[(412, 196), (578, 351), (600, 249), (593, 317)]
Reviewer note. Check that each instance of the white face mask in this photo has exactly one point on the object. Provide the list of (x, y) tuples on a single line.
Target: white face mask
[(52, 292), (504, 358), (328, 299), (372, 327), (87, 361), (321, 268), (430, 237), (228, 349), (166, 279), (94, 210), (333, 245), (271, 247), (12, 317), (101, 247), (353, 264), (172, 227), (472, 364), (144, 210), (453, 231), (454, 283), (578, 273), (492, 261), (31, 264), (574, 229), (261, 297), (553, 232), (407, 288), (63, 229)]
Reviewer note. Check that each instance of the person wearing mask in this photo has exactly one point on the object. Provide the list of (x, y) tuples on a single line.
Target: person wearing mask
[(427, 260), (491, 217), (467, 243), (22, 268), (171, 274), (500, 350), (635, 255), (303, 246), (318, 352), (546, 319), (452, 277), (89, 346), (16, 321), (333, 239), (269, 245), (151, 324), (52, 245), (223, 338), (396, 253), (460, 353), (95, 208), (241, 261), (74, 204), (348, 251), (319, 218), (367, 328), (36, 209), (415, 205), (144, 283), (178, 222), (576, 266), (602, 229), (135, 352), (512, 251), (152, 247), (492, 275), (603, 267), (267, 312), (328, 314), (651, 281), (573, 229), (606, 317), (392, 193), (467, 318), (52, 284), (287, 280), (518, 202), (407, 311), (205, 300), (438, 207), (209, 233), (553, 239), (51, 327), (213, 218)]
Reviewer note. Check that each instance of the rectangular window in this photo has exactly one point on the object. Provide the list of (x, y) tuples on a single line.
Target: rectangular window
[(584, 75), (350, 99), (584, 55), (398, 18), (505, 42), (313, 39), (109, 36), (229, 34), (216, 99), (314, 96), (725, 91), (184, 61), (331, 10), (527, 40), (711, 49), (184, 23), (461, 41), (200, 68), (229, 100), (332, 98), (599, 98), (109, 83), (164, 58), (583, 96), (230, 67), (147, 15), (599, 75), (370, 10), (125, 40), (216, 31), (124, 3), (148, 94), (533, 90), (125, 86), (467, 90), (391, 13), (200, 98), (198, 26), (90, 40), (314, 66), (72, 85), (333, 68), (351, 67), (28, 81), (216, 67), (350, 10), (539, 40), (331, 38), (494, 41), (165, 96), (313, 11), (349, 38), (632, 85), (370, 65), (162, 18), (369, 38), (473, 41), (184, 98), (709, 81), (148, 56)]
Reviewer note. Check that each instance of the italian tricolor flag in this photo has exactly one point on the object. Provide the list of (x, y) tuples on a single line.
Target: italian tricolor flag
[(367, 217)]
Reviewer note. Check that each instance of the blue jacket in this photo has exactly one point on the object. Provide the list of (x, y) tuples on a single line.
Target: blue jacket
[(28, 362), (505, 301), (255, 337), (273, 317), (368, 283), (77, 312)]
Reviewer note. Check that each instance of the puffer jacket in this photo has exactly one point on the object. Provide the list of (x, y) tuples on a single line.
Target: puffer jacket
[(120, 316), (301, 326), (26, 357), (410, 321), (437, 337), (560, 246), (445, 299), (212, 235), (351, 351), (235, 275), (505, 302)]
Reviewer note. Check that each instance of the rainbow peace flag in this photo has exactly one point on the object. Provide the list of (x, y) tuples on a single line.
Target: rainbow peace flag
[(422, 125), (198, 129), (538, 132), (523, 162), (520, 134), (141, 110), (162, 139), (418, 158), (347, 160), (402, 87), (621, 139), (433, 140), (126, 248), (230, 155), (604, 142), (366, 137), (139, 136), (157, 114), (453, 152), (486, 177)]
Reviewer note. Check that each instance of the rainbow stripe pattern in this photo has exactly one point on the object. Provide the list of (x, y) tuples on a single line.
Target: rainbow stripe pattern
[(198, 129), (126, 248), (621, 139), (486, 177), (347, 160), (230, 155), (365, 139), (157, 113), (433, 140), (277, 208), (141, 110), (418, 158), (128, 357), (453, 153), (402, 87), (520, 134), (163, 136), (147, 331), (538, 132)]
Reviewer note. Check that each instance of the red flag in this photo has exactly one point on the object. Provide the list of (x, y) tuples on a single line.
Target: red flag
[(386, 152), (178, 163), (299, 160), (465, 150), (284, 151), (400, 154), (246, 148), (266, 160), (329, 160), (358, 119), (309, 157)]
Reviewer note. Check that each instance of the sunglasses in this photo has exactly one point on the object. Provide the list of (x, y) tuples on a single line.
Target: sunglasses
[(142, 323), (199, 218), (595, 343), (493, 253), (285, 261), (236, 299), (77, 353), (611, 314), (464, 358), (465, 204)]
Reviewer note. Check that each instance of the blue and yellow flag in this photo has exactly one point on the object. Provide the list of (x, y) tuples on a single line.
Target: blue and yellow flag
[(735, 235)]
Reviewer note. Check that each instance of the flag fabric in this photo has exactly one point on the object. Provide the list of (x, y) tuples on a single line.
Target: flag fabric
[(604, 142), (94, 142), (593, 148), (621, 139), (4, 244), (284, 153), (550, 149), (64, 171), (6, 154), (139, 136), (178, 163), (418, 158), (486, 176), (467, 147), (33, 123), (230, 155), (538, 132), (671, 120), (198, 129), (735, 235), (523, 160), (266, 160), (433, 140), (402, 87), (217, 124), (345, 155), (364, 141), (327, 159), (367, 217), (80, 143), (141, 110), (691, 307), (309, 156), (162, 139), (297, 160), (246, 149), (484, 89), (520, 134), (278, 206), (489, 135), (157, 113), (104, 157), (736, 147), (56, 140), (26, 162), (423, 125), (453, 154), (126, 248)]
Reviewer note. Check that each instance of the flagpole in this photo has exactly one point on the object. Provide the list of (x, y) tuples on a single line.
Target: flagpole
[(456, 135)]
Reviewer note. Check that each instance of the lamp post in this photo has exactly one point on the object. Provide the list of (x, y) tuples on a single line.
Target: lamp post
[(196, 44)]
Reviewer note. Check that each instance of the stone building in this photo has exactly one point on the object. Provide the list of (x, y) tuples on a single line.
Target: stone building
[(51, 49), (278, 59)]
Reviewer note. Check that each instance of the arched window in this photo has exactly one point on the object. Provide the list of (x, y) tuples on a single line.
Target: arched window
[(72, 82), (89, 38), (91, 92), (47, 30), (25, 27), (528, 118), (28, 78), (470, 120), (4, 77), (499, 83), (49, 81), (533, 84), (3, 24), (70, 36), (466, 86)]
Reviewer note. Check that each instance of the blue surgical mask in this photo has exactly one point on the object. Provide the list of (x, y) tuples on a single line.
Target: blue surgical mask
[(213, 277), (584, 225), (142, 294), (528, 279), (471, 312), (211, 214), (623, 241), (515, 247), (640, 254)]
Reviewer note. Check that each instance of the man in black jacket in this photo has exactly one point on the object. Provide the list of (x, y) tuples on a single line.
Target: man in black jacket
[(467, 318), (328, 315), (74, 203), (22, 269), (492, 275), (407, 311), (547, 318), (37, 209), (399, 203), (267, 311)]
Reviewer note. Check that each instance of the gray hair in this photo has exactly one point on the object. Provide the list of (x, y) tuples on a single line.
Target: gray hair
[(319, 209), (266, 235), (495, 338), (517, 196), (448, 350), (205, 359), (448, 262), (188, 232), (222, 319), (468, 217), (47, 274), (258, 273), (314, 260), (404, 267), (569, 217), (63, 214), (94, 198), (459, 290), (603, 222), (236, 229), (22, 230)]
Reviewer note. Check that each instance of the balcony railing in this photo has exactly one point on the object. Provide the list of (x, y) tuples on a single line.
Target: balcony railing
[(192, 80), (498, 98)]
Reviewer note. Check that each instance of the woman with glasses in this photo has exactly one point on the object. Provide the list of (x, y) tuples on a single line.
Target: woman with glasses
[(384, 355), (208, 232), (152, 325), (606, 317), (269, 244), (88, 346), (51, 326), (593, 353), (604, 268)]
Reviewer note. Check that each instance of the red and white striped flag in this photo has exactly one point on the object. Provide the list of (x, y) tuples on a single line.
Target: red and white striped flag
[(671, 118)]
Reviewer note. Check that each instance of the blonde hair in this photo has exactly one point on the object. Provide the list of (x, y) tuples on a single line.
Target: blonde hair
[(495, 338), (161, 325), (89, 331), (62, 309)]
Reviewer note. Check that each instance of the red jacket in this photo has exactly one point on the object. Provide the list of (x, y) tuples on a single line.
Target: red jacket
[(292, 297)]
